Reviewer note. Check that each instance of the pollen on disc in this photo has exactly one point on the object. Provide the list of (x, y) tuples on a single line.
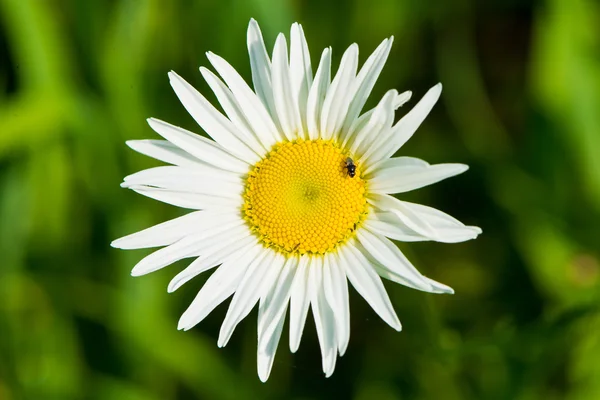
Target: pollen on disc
[(300, 198)]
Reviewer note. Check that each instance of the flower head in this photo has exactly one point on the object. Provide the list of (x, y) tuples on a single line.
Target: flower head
[(292, 196)]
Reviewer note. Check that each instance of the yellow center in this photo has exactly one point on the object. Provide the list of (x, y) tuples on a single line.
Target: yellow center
[(300, 198)]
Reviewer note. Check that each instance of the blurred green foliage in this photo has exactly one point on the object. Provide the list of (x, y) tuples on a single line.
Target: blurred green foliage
[(521, 106)]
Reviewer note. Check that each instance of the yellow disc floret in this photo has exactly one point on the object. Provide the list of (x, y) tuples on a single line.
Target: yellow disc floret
[(300, 198)]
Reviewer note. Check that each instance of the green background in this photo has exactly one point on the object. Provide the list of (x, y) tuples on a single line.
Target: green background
[(521, 106)]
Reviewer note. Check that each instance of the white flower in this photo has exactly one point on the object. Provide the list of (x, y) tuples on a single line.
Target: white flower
[(276, 207)]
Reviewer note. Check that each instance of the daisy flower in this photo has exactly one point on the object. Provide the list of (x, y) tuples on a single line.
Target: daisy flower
[(292, 196)]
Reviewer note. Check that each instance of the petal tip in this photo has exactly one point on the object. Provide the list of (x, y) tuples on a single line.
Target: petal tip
[(172, 287), (182, 324), (294, 347)]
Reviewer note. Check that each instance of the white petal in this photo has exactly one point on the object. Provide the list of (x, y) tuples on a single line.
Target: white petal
[(324, 319), (166, 233), (404, 161), (402, 99), (199, 171), (316, 95), (366, 80), (276, 304), (376, 139), (215, 182), (390, 257), (216, 250), (368, 284), (397, 274), (200, 147), (221, 284), (300, 69), (254, 110), (271, 317), (259, 277), (436, 287), (211, 120), (266, 353), (381, 118), (335, 286), (337, 100), (396, 177), (299, 302), (164, 151), (405, 128), (388, 224), (189, 246), (234, 112), (404, 214), (261, 68), (426, 221), (193, 201), (286, 103), (439, 287), (447, 229)]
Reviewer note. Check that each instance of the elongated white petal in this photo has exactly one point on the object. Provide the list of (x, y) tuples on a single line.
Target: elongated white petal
[(447, 228), (402, 99), (324, 318), (261, 68), (150, 175), (405, 128), (202, 148), (234, 113), (266, 353), (286, 103), (337, 100), (276, 304), (221, 284), (216, 250), (368, 284), (316, 95), (254, 110), (188, 180), (387, 224), (404, 214), (388, 255), (400, 161), (426, 221), (167, 232), (400, 178), (335, 287), (365, 81), (192, 201), (210, 119), (299, 302), (439, 287), (259, 277), (199, 171), (300, 69), (376, 139), (164, 151), (435, 287), (381, 118), (189, 246), (364, 118), (398, 274)]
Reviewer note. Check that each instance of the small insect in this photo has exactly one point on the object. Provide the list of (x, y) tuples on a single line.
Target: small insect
[(351, 167)]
